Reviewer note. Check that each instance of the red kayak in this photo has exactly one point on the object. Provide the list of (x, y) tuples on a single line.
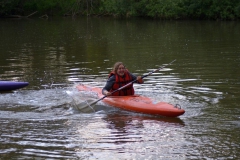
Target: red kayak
[(137, 103)]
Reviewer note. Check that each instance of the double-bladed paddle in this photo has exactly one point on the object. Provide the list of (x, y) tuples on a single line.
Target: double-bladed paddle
[(87, 105)]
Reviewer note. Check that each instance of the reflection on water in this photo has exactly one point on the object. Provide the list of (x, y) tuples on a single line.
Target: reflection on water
[(40, 121), (123, 134)]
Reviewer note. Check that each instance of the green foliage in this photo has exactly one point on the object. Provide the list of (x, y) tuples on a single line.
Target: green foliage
[(161, 9), (118, 7), (164, 9), (237, 10), (9, 7), (212, 9), (51, 7)]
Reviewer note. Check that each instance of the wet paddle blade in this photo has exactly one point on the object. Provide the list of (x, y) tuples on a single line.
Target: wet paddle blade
[(85, 107)]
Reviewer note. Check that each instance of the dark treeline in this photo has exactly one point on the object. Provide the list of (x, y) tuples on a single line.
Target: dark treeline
[(159, 9)]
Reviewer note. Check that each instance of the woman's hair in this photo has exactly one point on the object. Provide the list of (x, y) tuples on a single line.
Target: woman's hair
[(116, 65)]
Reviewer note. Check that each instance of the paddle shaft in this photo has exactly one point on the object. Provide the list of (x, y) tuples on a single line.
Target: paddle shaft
[(131, 82)]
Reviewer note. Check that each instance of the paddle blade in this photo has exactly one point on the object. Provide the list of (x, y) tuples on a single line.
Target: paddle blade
[(86, 106)]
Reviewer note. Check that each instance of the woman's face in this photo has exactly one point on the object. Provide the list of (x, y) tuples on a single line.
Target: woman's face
[(121, 70)]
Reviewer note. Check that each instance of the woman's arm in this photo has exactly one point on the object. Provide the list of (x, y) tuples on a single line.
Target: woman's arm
[(108, 85)]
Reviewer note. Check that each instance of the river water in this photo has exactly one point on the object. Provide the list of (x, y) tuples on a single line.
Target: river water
[(55, 55)]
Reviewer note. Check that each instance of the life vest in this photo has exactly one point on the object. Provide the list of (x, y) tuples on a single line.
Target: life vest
[(121, 81)]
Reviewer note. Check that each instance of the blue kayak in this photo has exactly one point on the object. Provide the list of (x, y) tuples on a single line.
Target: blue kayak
[(12, 85)]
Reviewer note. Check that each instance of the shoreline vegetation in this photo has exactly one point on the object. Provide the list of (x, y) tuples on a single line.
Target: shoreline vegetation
[(153, 9)]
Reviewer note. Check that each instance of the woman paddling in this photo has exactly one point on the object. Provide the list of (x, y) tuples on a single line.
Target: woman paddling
[(119, 77)]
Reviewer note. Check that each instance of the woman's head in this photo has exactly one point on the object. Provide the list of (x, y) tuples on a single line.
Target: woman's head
[(119, 68)]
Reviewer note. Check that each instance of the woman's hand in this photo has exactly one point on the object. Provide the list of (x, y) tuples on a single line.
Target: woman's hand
[(139, 79), (106, 93)]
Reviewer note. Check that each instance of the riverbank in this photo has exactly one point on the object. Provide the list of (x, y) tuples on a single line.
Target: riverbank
[(174, 9)]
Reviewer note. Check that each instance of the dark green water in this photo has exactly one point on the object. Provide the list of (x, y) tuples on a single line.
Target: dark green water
[(55, 55)]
